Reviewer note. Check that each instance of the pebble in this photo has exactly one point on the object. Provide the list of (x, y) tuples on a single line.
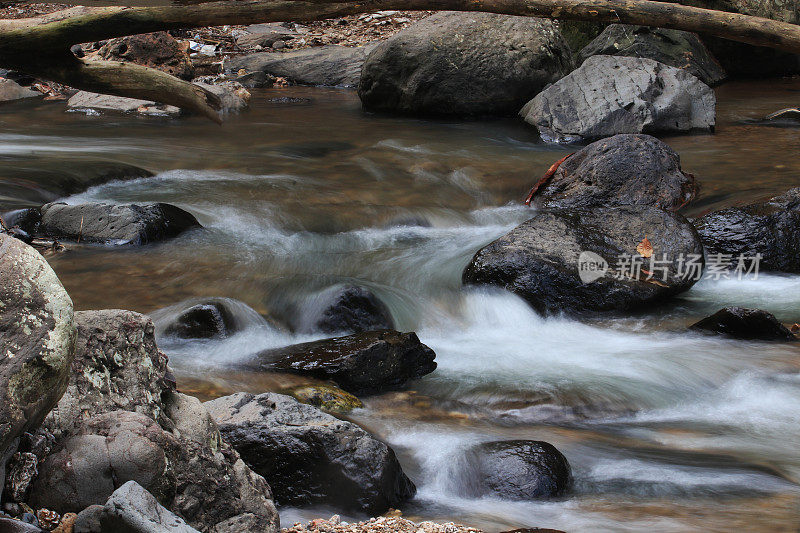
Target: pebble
[(383, 524)]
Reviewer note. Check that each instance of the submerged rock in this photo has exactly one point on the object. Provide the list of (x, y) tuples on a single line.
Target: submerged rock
[(464, 64), (330, 66), (620, 170), (117, 366), (345, 309), (539, 259), (37, 340), (771, 229), (326, 397), (518, 470), (679, 49), (128, 224), (310, 457), (608, 95), (747, 324), (362, 363)]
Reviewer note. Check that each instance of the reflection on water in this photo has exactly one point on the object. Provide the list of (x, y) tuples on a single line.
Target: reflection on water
[(666, 430)]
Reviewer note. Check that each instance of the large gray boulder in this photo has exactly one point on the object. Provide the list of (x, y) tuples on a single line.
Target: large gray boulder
[(362, 363), (117, 366), (331, 66), (37, 342), (679, 49), (129, 224), (770, 229), (624, 169), (310, 457), (464, 64), (540, 259), (608, 95)]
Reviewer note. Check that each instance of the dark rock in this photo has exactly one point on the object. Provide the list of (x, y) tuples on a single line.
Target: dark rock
[(747, 324), (88, 520), (265, 39), (464, 64), (363, 363), (333, 65), (518, 470), (117, 366), (129, 224), (679, 49), (157, 50), (620, 170), (29, 518), (256, 80), (539, 259), (310, 457), (745, 61), (131, 509), (207, 320), (771, 229), (9, 525), (37, 338), (25, 219), (608, 95), (346, 309), (11, 91)]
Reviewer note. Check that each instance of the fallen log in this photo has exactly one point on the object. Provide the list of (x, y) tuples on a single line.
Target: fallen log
[(40, 46)]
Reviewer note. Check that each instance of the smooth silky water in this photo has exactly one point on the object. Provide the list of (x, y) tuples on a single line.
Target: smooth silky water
[(666, 430)]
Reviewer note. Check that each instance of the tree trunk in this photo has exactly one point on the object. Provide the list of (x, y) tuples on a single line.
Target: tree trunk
[(39, 46)]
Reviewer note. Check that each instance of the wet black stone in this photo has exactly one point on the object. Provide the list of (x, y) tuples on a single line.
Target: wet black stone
[(204, 321), (746, 324), (347, 309), (518, 470), (362, 363)]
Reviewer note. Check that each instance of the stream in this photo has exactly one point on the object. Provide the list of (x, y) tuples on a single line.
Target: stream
[(665, 429)]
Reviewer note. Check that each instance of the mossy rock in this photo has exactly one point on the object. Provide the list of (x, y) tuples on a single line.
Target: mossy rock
[(326, 397)]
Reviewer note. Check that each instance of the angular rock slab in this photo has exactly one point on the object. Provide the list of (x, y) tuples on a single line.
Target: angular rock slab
[(37, 342), (363, 363), (310, 457), (620, 170), (746, 324), (679, 49), (770, 229), (128, 224), (464, 64), (85, 100), (539, 259), (117, 366), (131, 509), (608, 95), (11, 90)]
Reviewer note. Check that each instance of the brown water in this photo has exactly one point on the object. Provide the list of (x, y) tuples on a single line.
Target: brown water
[(665, 430)]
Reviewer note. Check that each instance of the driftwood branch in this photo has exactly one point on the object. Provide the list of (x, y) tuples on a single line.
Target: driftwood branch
[(39, 45)]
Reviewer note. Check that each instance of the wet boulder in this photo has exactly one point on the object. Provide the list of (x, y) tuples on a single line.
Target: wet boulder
[(310, 457), (517, 470), (624, 169), (584, 260), (608, 95), (127, 224), (345, 309), (326, 397), (362, 363), (746, 324), (211, 319), (327, 66), (157, 50), (183, 462), (117, 366), (9, 525), (464, 64), (679, 49), (770, 229), (37, 340)]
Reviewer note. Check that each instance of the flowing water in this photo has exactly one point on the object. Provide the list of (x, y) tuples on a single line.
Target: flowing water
[(665, 430)]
